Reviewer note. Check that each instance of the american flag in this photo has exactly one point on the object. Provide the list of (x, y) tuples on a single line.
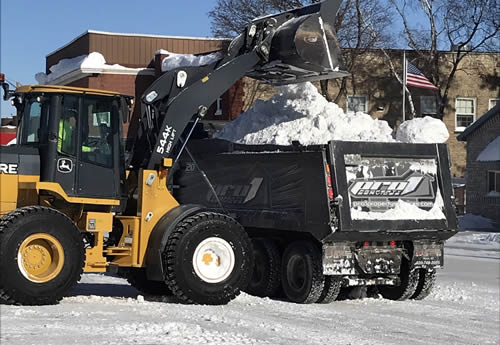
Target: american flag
[(415, 78)]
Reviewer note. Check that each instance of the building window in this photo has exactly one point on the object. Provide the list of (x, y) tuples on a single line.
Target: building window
[(493, 102), (465, 113), (494, 183), (357, 103), (428, 106), (218, 110)]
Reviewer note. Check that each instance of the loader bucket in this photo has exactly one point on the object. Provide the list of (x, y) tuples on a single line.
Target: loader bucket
[(304, 46)]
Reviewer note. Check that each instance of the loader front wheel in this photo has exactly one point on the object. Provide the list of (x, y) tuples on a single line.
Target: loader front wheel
[(41, 256), (208, 259)]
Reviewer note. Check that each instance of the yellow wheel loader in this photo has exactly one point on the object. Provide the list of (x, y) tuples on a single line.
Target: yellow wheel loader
[(72, 200)]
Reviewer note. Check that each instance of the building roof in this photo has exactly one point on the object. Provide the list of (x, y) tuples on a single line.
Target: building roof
[(495, 111), (64, 89)]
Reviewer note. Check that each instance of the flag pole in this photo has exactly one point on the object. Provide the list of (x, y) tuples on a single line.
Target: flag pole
[(404, 83)]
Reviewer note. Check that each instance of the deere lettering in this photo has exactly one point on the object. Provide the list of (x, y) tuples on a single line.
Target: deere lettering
[(6, 168)]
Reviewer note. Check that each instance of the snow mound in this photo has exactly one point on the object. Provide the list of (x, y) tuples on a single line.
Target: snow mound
[(174, 60), (299, 112), (491, 152), (94, 60), (422, 130)]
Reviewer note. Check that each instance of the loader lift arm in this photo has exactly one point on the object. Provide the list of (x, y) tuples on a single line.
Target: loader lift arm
[(289, 47)]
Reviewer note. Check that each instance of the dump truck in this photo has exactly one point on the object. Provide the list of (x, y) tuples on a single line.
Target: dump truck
[(73, 201)]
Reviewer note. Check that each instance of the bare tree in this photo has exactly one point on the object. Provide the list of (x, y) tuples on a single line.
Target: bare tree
[(464, 26), (229, 17)]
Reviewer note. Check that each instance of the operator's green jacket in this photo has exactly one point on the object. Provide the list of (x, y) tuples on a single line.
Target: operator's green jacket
[(65, 139)]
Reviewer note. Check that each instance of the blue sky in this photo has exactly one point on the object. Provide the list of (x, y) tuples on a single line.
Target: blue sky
[(30, 30)]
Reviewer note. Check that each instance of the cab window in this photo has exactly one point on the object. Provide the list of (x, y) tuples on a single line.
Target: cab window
[(29, 127), (97, 133)]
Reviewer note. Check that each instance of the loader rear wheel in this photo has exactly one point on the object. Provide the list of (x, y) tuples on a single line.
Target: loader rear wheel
[(208, 259), (331, 290), (137, 278), (302, 272), (407, 287), (426, 281), (41, 256), (266, 277)]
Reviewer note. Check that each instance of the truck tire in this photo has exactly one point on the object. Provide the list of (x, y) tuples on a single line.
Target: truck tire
[(266, 277), (409, 280), (41, 256), (426, 281), (331, 290), (302, 272), (208, 259), (137, 278)]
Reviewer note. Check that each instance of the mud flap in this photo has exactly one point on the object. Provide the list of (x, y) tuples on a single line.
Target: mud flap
[(427, 254)]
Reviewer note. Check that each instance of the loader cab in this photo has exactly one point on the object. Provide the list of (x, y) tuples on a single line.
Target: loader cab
[(78, 134)]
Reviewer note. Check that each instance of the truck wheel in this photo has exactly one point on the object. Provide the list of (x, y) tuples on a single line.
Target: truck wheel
[(331, 290), (266, 277), (426, 281), (41, 256), (302, 272), (409, 281), (137, 278), (208, 259)]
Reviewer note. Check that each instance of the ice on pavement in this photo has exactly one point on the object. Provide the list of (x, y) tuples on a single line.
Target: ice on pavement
[(300, 113), (93, 60)]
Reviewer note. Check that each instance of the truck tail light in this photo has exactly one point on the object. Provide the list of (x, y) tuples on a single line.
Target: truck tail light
[(366, 244), (329, 181), (392, 243)]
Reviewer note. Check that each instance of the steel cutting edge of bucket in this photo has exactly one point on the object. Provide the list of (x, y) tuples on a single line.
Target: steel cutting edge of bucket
[(304, 46)]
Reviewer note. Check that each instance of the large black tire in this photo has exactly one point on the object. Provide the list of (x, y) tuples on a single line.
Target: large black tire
[(331, 289), (302, 272), (210, 238), (53, 256), (137, 278), (426, 281), (407, 287), (266, 277)]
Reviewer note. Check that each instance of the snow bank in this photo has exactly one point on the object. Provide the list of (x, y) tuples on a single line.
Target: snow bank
[(474, 222), (491, 152), (422, 130), (174, 60), (300, 113), (94, 60)]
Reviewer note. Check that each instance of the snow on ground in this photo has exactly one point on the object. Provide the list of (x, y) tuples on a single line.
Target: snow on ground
[(463, 309), (300, 113)]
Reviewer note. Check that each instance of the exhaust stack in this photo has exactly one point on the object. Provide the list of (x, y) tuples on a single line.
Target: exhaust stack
[(301, 45)]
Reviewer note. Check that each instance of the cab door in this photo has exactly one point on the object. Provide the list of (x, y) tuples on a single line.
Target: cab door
[(98, 162)]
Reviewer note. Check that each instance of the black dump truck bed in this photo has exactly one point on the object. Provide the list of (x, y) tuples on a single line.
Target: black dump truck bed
[(340, 191)]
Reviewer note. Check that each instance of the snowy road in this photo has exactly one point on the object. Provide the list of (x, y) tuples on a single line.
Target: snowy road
[(464, 309)]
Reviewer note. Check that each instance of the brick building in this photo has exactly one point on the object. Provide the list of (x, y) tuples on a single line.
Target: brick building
[(141, 57), (483, 165), (372, 88)]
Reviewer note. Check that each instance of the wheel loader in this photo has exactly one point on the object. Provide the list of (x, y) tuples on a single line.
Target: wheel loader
[(73, 201)]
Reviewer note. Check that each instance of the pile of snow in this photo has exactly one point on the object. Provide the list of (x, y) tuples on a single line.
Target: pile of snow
[(94, 60), (173, 60), (422, 130), (300, 113), (474, 222), (491, 152)]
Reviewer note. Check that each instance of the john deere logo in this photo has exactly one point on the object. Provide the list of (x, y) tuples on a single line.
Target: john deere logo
[(64, 165)]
